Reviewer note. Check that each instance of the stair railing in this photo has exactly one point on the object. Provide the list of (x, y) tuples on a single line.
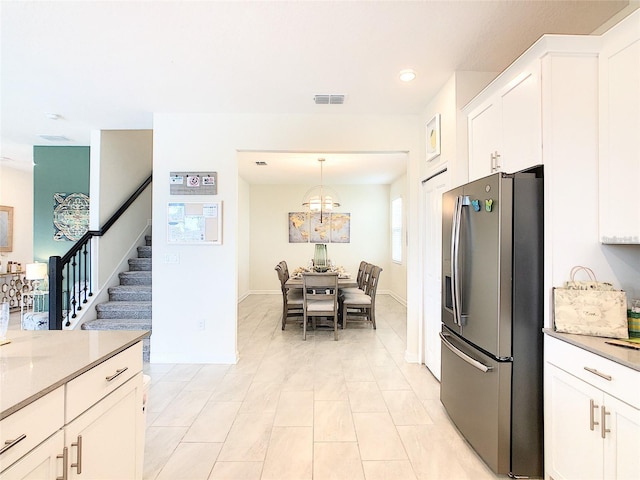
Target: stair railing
[(70, 276)]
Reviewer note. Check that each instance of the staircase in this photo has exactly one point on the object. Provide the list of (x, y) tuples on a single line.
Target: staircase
[(129, 305)]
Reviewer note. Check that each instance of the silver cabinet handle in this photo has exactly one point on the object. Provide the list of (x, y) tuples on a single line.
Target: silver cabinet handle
[(603, 422), (78, 464), (495, 164), (120, 371), (471, 361), (12, 443), (600, 374), (65, 463), (592, 417), (498, 164)]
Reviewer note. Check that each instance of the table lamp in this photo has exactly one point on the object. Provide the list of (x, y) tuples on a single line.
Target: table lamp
[(36, 272)]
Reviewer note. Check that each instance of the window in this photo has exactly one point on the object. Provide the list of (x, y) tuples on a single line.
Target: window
[(396, 230)]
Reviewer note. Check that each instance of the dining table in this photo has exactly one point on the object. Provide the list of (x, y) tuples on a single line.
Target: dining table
[(344, 281)]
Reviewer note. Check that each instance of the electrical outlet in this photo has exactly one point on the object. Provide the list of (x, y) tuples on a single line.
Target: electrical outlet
[(201, 324)]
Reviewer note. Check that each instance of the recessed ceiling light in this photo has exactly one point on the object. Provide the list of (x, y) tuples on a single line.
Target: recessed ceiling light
[(407, 75)]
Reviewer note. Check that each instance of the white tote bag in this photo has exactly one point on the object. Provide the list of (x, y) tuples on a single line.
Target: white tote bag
[(590, 307)]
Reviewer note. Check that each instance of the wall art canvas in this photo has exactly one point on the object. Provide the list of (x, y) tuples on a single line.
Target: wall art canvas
[(340, 227), (305, 227), (298, 227), (70, 216), (320, 230)]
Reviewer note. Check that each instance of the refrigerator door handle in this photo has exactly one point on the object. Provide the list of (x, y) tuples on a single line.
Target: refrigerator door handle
[(474, 363), (454, 258), (455, 254)]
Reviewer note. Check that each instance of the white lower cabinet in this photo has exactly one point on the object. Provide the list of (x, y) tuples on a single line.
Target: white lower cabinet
[(44, 462), (92, 427), (589, 433), (103, 441)]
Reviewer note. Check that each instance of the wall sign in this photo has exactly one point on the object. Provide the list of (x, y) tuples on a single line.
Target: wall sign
[(193, 183)]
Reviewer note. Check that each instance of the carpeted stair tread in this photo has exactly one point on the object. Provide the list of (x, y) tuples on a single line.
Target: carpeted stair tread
[(135, 278), (124, 310), (140, 264), (144, 252), (130, 293), (118, 324)]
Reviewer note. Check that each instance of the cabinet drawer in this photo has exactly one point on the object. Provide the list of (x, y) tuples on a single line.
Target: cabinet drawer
[(611, 377), (101, 380), (30, 426)]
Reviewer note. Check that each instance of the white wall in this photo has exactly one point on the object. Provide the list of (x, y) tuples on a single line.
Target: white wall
[(16, 190), (571, 182), (448, 102), (204, 285), (244, 235), (124, 159), (398, 271), (370, 241)]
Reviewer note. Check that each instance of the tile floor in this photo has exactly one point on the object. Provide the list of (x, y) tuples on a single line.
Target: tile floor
[(289, 409)]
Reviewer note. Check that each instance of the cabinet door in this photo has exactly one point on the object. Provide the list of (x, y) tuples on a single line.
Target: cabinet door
[(572, 449), (42, 463), (621, 447), (619, 151), (521, 122), (104, 442), (484, 139)]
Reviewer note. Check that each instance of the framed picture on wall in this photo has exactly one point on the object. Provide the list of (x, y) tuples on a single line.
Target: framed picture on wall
[(6, 229), (433, 137)]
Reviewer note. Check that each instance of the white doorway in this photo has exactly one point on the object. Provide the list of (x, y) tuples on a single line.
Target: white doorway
[(433, 188)]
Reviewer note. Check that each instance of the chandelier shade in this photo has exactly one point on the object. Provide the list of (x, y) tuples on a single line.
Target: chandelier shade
[(320, 198)]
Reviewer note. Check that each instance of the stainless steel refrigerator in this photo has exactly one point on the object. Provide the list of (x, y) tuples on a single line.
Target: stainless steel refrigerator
[(492, 318)]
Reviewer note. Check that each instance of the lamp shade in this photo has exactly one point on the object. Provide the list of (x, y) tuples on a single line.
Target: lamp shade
[(36, 271)]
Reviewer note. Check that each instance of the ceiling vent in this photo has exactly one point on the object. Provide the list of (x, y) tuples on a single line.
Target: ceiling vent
[(261, 163), (55, 138), (328, 99)]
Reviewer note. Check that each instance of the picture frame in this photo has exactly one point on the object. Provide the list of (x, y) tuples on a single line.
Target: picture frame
[(6, 228), (433, 137)]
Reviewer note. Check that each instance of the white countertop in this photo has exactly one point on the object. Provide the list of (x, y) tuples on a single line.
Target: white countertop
[(628, 357), (37, 362)]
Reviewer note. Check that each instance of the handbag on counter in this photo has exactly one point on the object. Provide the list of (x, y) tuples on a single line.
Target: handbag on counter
[(590, 307)]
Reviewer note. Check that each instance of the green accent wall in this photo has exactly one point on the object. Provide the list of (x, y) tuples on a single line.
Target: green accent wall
[(56, 170)]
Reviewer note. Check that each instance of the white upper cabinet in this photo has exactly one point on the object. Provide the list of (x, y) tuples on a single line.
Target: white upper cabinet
[(505, 130), (513, 121), (619, 72)]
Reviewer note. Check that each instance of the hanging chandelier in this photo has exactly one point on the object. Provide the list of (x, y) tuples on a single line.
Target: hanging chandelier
[(320, 198)]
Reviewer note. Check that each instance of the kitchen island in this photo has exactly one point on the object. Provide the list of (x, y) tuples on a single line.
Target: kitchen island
[(71, 403)]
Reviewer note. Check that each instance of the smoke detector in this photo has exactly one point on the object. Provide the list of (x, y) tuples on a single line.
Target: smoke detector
[(328, 99)]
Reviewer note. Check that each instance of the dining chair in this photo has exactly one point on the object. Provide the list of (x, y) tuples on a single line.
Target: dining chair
[(291, 299), (361, 306), (320, 292), (360, 279)]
